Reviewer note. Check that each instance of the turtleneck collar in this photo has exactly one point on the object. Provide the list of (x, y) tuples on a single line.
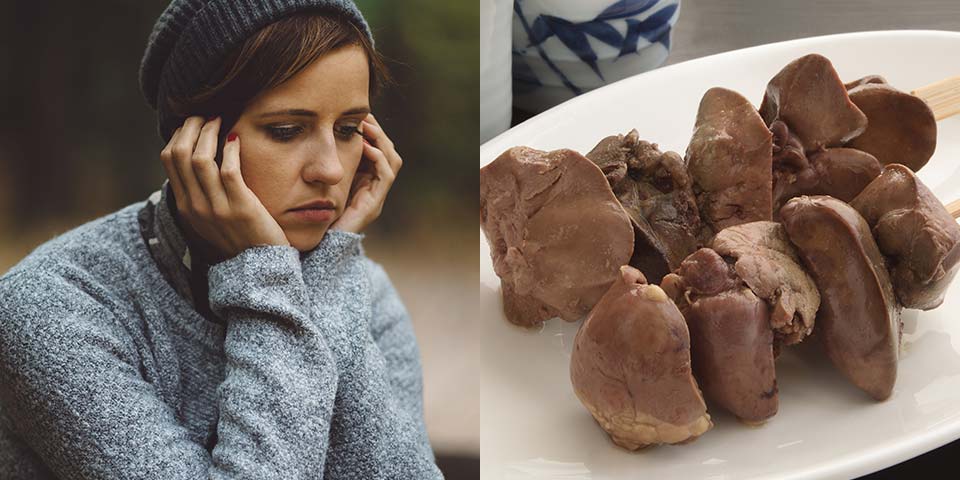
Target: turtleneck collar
[(186, 269), (176, 257)]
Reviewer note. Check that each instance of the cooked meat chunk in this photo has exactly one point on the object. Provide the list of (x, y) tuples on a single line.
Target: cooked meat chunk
[(557, 234), (733, 353), (809, 97), (859, 319), (654, 188), (729, 160), (703, 273), (649, 254), (631, 367), (917, 234), (901, 128), (730, 335), (868, 80), (843, 172), (839, 172), (768, 263)]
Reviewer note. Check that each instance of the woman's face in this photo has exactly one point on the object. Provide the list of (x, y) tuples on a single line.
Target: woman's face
[(300, 141)]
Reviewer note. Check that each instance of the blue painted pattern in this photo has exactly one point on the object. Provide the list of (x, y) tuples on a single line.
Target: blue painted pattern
[(655, 28)]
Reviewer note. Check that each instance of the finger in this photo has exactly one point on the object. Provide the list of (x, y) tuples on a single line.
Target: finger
[(393, 159), (230, 174), (182, 159), (375, 135), (383, 175), (205, 167), (166, 158), (381, 165), (381, 141)]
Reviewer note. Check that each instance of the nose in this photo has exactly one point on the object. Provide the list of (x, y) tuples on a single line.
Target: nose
[(323, 163)]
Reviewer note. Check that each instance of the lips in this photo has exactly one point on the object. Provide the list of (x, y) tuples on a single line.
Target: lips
[(314, 215), (319, 211), (321, 204)]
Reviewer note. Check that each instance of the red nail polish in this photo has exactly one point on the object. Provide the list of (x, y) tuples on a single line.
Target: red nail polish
[(212, 118), (231, 137)]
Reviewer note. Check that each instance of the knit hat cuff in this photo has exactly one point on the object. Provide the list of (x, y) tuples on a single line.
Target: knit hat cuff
[(208, 34)]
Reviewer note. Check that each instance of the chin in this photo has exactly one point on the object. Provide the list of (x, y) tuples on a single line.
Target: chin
[(306, 241)]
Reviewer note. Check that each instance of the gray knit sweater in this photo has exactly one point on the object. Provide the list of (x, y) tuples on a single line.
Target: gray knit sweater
[(108, 371)]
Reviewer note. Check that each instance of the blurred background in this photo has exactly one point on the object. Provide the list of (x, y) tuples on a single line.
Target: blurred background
[(77, 141)]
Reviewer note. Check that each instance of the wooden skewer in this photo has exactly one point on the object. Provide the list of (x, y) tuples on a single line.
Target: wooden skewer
[(954, 208), (943, 98)]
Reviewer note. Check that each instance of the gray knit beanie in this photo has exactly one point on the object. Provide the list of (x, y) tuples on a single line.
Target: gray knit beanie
[(193, 37)]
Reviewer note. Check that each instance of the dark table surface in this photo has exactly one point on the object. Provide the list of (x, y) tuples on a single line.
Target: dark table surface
[(706, 27)]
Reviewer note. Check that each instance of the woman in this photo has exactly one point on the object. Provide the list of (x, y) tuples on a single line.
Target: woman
[(230, 326)]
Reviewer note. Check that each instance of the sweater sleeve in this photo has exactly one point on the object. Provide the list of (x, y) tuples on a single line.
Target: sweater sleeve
[(75, 394), (392, 329), (276, 401)]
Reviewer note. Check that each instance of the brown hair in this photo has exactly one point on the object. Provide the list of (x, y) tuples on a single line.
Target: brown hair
[(272, 56)]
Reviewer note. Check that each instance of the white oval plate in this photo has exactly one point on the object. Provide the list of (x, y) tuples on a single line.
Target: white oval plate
[(534, 427)]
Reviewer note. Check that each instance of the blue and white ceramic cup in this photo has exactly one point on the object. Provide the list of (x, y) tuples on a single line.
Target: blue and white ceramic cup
[(562, 48)]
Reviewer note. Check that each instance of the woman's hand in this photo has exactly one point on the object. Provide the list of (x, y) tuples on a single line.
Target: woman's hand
[(215, 201), (369, 189)]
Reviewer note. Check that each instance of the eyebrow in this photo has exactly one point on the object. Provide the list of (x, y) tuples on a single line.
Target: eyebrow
[(298, 112)]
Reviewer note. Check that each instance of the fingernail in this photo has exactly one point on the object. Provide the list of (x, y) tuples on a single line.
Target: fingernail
[(211, 118), (232, 137)]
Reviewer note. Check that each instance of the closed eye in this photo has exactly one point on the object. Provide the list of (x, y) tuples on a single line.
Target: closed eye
[(346, 132), (284, 134)]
